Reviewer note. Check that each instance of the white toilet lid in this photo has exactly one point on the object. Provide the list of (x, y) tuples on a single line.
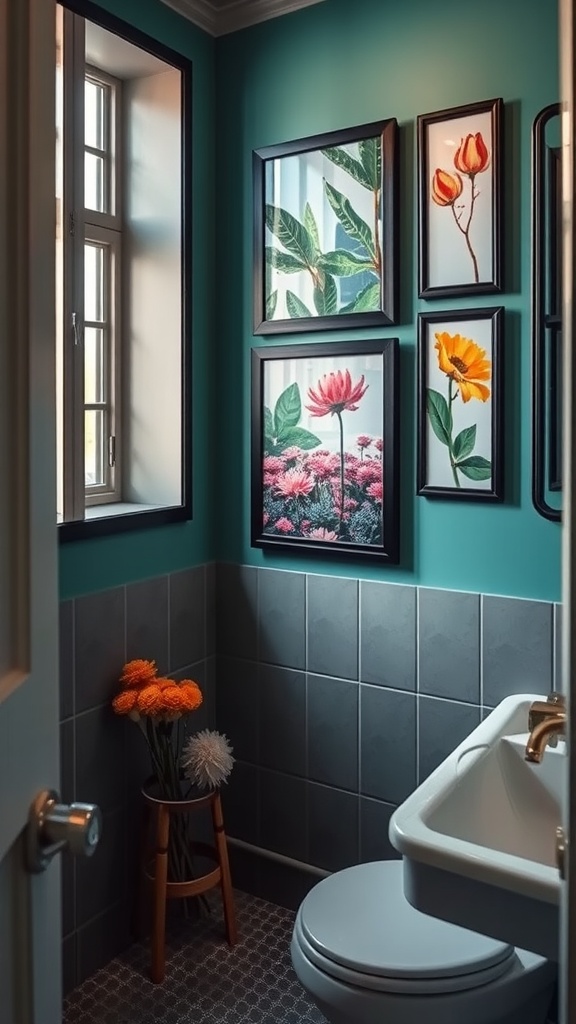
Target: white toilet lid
[(359, 919)]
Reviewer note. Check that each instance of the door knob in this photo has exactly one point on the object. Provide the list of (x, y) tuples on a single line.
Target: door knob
[(52, 826)]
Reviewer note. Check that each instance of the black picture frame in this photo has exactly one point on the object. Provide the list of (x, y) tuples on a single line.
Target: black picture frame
[(456, 432), (460, 200), (298, 502), (341, 270)]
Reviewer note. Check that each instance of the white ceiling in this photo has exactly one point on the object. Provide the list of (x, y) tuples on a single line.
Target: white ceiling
[(218, 17)]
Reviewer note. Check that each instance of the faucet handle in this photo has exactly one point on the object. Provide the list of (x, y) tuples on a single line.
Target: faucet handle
[(540, 710)]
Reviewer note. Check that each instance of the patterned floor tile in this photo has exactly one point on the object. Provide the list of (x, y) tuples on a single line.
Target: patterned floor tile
[(206, 981)]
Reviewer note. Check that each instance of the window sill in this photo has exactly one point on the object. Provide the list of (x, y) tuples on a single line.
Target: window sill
[(120, 517)]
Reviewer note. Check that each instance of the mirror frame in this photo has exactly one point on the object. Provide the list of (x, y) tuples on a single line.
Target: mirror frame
[(546, 314)]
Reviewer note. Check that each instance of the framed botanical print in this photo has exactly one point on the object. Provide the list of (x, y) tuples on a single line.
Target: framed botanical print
[(460, 405), (460, 188), (325, 448), (325, 238)]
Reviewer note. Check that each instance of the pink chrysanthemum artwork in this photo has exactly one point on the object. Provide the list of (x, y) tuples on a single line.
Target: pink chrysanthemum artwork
[(294, 483), (285, 525)]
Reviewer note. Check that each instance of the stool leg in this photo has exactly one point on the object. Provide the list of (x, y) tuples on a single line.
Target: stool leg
[(226, 881), (158, 964)]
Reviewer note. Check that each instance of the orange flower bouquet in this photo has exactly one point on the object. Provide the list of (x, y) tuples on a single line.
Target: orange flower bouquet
[(159, 706)]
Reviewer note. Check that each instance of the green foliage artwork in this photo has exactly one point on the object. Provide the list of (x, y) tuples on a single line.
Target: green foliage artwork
[(334, 237)]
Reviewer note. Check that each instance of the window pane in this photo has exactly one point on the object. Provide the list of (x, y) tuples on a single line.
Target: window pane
[(93, 282), (94, 182), (94, 99), (94, 463), (93, 365)]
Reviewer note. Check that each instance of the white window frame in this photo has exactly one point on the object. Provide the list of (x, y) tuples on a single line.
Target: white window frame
[(81, 225)]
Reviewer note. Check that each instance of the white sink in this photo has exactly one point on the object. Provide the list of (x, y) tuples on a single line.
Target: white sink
[(478, 837)]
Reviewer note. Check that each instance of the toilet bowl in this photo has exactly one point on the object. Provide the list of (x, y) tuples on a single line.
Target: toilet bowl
[(366, 956)]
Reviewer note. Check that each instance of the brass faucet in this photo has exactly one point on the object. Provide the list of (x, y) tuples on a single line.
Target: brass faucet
[(546, 720)]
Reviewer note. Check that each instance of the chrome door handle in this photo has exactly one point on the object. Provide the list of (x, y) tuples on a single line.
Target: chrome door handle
[(52, 826)]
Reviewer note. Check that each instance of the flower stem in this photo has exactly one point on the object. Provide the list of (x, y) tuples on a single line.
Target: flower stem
[(451, 398), (466, 230), (339, 414)]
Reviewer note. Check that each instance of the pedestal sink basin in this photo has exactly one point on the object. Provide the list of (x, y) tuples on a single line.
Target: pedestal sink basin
[(478, 837)]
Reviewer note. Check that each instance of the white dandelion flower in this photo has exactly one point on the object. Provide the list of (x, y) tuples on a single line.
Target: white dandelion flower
[(207, 759)]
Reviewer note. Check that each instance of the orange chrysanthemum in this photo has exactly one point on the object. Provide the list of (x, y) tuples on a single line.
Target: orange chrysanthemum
[(138, 673), (125, 701), (149, 700), (192, 694)]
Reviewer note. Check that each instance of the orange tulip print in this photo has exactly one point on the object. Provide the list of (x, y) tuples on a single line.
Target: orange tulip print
[(447, 188)]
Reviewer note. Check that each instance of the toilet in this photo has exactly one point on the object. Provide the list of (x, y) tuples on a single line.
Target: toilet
[(365, 956)]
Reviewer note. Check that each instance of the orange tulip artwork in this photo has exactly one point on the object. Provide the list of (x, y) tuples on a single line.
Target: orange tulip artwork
[(472, 158), (460, 177)]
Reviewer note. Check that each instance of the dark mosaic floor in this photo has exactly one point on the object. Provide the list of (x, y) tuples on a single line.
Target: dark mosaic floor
[(206, 981)]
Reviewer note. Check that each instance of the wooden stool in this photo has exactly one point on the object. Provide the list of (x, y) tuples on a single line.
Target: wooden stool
[(164, 890)]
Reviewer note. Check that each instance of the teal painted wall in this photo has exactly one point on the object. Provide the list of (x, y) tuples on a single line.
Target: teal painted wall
[(104, 562), (339, 64)]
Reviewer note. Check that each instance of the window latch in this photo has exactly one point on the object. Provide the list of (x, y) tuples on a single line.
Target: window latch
[(111, 451), (76, 328)]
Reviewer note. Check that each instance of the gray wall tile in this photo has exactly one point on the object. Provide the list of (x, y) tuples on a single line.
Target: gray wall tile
[(67, 760), (283, 814), (333, 626), (147, 621), (237, 706), (69, 972), (332, 731), (449, 644), (100, 771), (332, 827), (283, 719), (187, 617), (237, 611), (210, 583), (241, 803), (388, 635), (517, 647), (100, 647), (387, 743), (101, 940), (443, 724), (282, 624), (374, 821), (101, 879), (66, 654)]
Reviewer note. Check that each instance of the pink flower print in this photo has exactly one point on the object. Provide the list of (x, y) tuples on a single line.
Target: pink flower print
[(322, 534), (369, 472), (269, 479), (350, 504), (378, 443), (272, 464), (294, 483), (363, 441), (304, 525), (284, 525), (376, 490), (291, 453), (265, 518), (323, 464), (334, 393)]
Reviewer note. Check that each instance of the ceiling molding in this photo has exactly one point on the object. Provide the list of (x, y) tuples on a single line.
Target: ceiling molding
[(231, 17)]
